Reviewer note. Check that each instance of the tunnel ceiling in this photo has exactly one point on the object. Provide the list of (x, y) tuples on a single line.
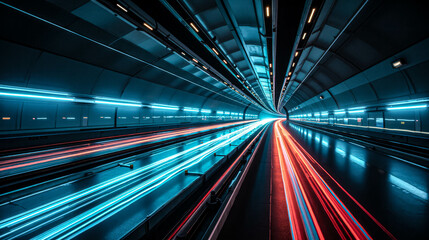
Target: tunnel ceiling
[(87, 47), (350, 51), (269, 54)]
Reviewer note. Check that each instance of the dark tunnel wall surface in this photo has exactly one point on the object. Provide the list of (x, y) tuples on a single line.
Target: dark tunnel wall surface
[(26, 115), (42, 56), (375, 90), (355, 82)]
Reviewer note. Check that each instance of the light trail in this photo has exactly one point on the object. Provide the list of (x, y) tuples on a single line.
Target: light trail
[(82, 210), (205, 197), (19, 162), (310, 200), (302, 221)]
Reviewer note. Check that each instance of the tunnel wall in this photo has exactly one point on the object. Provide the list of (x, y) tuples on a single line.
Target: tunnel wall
[(375, 90), (29, 69), (71, 50), (28, 115)]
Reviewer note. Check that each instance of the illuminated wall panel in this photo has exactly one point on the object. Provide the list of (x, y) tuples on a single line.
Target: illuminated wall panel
[(9, 115), (38, 115), (101, 116), (128, 116), (68, 115)]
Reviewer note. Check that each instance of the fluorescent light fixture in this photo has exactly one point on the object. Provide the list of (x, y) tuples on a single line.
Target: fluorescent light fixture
[(410, 101), (311, 15), (187, 109), (117, 100), (290, 73), (37, 96), (195, 60), (357, 108), (224, 61), (271, 73), (206, 111), (357, 111), (398, 63), (118, 103), (408, 107), (238, 76), (194, 27), (227, 113), (165, 107), (215, 51), (267, 11), (340, 112), (205, 68), (293, 64), (121, 7), (219, 112), (33, 90), (183, 53), (296, 53), (303, 36), (271, 65), (148, 26)]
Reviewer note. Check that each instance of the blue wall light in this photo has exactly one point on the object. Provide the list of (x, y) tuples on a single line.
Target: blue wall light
[(409, 101), (165, 107), (37, 96), (117, 100), (33, 90), (22, 92), (408, 107), (188, 109), (357, 111), (118, 103)]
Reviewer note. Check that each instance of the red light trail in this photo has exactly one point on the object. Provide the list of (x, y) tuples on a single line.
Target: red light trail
[(10, 163), (315, 211)]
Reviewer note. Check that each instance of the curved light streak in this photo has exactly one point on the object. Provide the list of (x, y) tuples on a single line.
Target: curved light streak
[(21, 162), (134, 186), (302, 182)]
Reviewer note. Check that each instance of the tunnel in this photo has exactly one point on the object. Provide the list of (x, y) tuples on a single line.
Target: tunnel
[(214, 119)]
